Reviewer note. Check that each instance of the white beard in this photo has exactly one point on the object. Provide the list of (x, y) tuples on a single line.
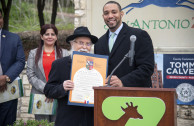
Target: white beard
[(83, 50), (80, 50)]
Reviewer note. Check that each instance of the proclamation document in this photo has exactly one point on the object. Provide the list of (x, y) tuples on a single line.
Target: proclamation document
[(87, 71)]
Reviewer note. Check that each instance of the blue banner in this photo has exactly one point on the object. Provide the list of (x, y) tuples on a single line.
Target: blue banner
[(178, 72)]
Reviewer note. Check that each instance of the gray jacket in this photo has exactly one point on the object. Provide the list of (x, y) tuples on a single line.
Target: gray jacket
[(36, 75)]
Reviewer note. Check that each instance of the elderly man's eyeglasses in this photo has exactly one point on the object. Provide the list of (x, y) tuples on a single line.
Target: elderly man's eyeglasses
[(82, 43)]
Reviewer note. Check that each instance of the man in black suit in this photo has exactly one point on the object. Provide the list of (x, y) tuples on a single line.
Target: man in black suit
[(137, 75), (59, 83)]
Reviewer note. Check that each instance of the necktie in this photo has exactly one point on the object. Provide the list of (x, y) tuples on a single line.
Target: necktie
[(111, 41)]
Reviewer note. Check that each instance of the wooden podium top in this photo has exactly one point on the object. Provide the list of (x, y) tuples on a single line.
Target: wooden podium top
[(136, 88)]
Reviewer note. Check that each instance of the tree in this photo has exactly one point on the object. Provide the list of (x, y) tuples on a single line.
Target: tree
[(40, 7), (54, 11), (6, 10)]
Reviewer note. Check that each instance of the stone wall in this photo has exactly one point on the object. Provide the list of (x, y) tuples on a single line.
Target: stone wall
[(23, 102), (185, 114), (80, 13)]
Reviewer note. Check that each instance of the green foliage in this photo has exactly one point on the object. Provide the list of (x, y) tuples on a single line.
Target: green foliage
[(33, 123), (24, 17), (68, 26), (68, 9), (68, 6)]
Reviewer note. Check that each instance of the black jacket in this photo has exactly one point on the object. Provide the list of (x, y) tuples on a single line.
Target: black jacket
[(67, 115), (139, 75)]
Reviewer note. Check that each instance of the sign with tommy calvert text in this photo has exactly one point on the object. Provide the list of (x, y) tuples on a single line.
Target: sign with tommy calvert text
[(178, 72), (170, 23)]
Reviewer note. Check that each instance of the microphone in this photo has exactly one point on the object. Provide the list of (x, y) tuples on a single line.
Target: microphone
[(131, 52), (129, 55)]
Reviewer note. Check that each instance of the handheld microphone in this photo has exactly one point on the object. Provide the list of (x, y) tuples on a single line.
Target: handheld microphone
[(131, 52)]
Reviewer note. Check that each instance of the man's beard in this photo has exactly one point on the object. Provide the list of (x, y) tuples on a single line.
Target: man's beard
[(83, 50), (118, 22), (80, 50), (113, 26)]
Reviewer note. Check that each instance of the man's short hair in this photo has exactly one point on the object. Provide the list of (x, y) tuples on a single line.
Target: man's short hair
[(113, 2)]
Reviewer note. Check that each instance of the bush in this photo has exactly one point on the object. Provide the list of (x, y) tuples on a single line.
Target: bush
[(33, 123)]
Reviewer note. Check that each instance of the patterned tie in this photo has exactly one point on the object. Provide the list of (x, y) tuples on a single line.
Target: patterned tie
[(111, 42)]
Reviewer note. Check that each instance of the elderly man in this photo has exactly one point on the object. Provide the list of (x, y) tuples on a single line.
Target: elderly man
[(59, 83)]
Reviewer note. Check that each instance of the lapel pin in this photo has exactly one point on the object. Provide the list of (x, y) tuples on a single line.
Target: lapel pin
[(3, 36)]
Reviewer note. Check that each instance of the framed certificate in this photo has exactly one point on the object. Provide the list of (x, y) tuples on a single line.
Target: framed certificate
[(87, 71)]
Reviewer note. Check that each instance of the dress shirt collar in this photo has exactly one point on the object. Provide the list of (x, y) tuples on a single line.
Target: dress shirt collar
[(117, 31)]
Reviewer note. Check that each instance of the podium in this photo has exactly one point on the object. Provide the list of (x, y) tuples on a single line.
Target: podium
[(127, 106)]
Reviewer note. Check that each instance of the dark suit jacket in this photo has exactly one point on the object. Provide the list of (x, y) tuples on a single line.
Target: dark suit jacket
[(12, 54), (66, 114), (12, 62), (139, 75)]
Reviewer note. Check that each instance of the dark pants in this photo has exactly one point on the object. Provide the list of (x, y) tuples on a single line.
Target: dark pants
[(8, 111)]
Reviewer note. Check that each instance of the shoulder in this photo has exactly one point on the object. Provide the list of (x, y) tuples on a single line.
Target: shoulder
[(10, 34), (33, 51), (102, 39), (104, 36), (132, 30), (62, 61), (65, 52)]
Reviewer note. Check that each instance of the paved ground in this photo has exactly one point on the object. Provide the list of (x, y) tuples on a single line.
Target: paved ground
[(184, 122)]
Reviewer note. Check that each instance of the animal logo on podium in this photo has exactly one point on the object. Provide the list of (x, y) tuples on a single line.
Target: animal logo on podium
[(130, 112), (134, 111)]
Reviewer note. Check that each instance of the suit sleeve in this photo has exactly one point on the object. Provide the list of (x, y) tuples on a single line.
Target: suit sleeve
[(144, 62), (54, 88), (98, 47), (34, 80), (16, 68)]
